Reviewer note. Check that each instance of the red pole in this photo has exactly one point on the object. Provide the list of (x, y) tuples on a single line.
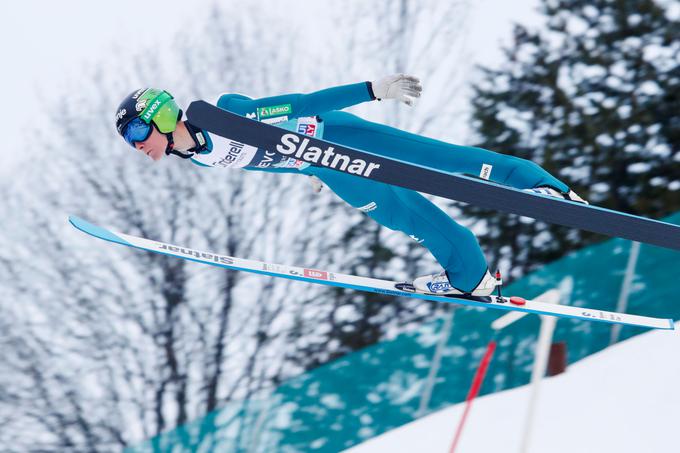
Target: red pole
[(474, 390)]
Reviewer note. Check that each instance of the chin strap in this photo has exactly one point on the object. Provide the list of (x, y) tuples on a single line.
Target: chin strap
[(171, 144), (170, 149), (196, 134)]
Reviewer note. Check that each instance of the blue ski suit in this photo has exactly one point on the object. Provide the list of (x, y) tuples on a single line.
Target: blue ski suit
[(318, 114)]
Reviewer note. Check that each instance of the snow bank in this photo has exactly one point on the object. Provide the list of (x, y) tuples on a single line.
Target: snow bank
[(625, 399)]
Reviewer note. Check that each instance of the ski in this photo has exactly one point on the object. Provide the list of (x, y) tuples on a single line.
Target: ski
[(392, 288), (458, 187)]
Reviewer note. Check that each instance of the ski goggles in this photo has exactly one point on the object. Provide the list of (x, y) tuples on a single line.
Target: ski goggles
[(136, 131)]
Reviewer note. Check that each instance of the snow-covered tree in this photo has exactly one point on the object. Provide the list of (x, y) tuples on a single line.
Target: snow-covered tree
[(593, 97)]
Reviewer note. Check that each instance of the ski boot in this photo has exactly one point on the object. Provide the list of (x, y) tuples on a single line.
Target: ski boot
[(438, 284)]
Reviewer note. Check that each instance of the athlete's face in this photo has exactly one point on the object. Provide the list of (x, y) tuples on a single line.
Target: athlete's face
[(154, 146)]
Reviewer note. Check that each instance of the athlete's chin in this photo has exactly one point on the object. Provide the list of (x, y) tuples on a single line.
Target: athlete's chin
[(156, 156)]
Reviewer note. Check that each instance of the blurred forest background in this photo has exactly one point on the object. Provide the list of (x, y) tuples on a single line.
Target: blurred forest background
[(103, 346)]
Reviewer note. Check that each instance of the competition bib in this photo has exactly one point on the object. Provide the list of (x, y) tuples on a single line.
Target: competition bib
[(226, 153)]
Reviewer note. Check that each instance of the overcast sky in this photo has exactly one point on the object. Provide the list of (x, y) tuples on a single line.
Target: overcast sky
[(44, 43)]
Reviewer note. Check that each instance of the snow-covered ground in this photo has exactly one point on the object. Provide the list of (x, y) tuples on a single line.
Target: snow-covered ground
[(625, 399)]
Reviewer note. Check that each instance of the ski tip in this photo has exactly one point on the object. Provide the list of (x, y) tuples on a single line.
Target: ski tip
[(94, 230), (77, 222), (81, 224)]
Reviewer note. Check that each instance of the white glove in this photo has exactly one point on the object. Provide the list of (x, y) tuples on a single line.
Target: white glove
[(317, 185), (402, 87)]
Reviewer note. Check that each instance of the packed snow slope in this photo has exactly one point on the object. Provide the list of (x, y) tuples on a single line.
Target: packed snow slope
[(624, 399)]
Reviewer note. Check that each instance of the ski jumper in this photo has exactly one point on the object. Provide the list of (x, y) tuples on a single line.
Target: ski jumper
[(397, 208)]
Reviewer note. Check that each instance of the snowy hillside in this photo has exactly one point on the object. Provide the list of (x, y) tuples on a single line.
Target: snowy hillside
[(625, 399)]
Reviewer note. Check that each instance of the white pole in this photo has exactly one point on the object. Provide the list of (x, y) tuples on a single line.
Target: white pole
[(436, 362), (622, 304), (545, 336), (262, 417), (540, 364)]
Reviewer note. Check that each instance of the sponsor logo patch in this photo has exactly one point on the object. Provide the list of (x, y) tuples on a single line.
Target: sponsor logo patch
[(313, 273), (436, 287), (151, 110), (274, 268), (138, 93), (372, 206), (120, 114), (307, 129), (141, 105), (277, 120), (294, 146), (486, 171), (274, 110), (203, 256), (290, 163)]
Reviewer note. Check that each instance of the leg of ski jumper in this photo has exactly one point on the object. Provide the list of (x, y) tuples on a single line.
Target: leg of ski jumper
[(453, 246), (386, 141)]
